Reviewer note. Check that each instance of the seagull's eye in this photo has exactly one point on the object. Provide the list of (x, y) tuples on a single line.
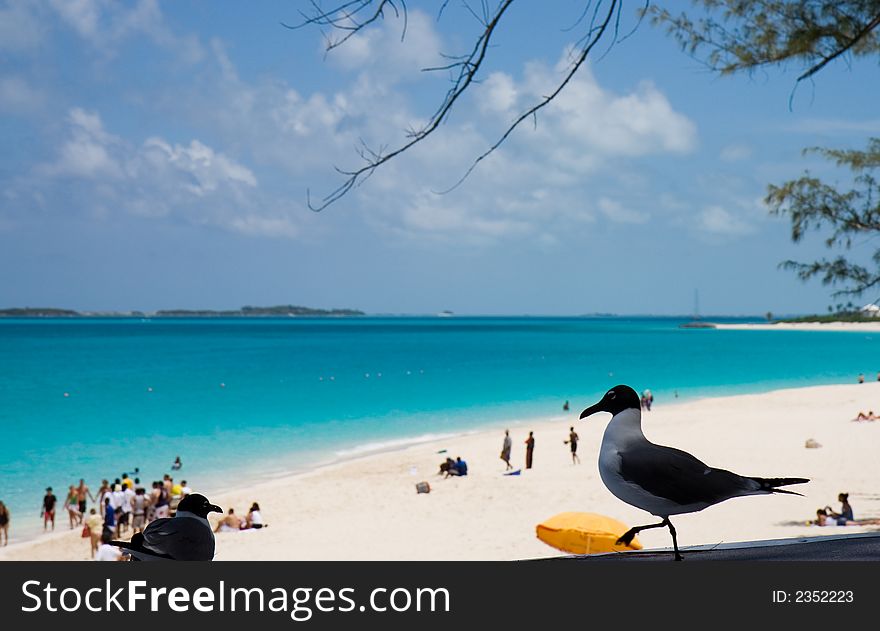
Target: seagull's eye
[(611, 394)]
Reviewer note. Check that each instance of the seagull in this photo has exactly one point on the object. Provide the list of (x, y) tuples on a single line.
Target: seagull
[(185, 537), (662, 480)]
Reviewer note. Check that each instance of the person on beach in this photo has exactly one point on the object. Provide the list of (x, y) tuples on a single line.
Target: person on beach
[(107, 552), (126, 481), (647, 400), (565, 406), (573, 442), (102, 493), (460, 466), (117, 497), (72, 507), (254, 517), (177, 464), (230, 523), (83, 493), (446, 467), (4, 523), (861, 378), (505, 450), (530, 449), (96, 527), (866, 417), (163, 500), (48, 512), (184, 489), (139, 505), (109, 516), (846, 511)]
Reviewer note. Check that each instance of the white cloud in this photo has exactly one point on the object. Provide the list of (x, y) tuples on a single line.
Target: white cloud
[(718, 221), (193, 182), (542, 181), (21, 26), (105, 24), (18, 97), (382, 47), (208, 168), (591, 122), (499, 93), (616, 212), (81, 15), (86, 152)]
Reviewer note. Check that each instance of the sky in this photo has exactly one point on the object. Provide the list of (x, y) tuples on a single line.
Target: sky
[(160, 155)]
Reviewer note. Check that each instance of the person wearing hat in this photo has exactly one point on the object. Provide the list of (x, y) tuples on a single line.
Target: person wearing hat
[(48, 512)]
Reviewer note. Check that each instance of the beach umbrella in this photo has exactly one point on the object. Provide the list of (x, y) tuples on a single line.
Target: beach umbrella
[(584, 533)]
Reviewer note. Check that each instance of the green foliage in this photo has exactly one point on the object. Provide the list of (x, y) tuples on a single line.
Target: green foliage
[(735, 35), (742, 35), (851, 214)]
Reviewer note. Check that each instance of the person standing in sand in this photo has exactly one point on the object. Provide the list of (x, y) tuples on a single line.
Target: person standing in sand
[(96, 526), (83, 492), (530, 449), (48, 512), (505, 450), (70, 504), (4, 523), (573, 441)]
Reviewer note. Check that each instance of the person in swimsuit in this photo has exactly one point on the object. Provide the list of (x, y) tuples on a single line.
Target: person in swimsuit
[(48, 512), (573, 442), (505, 450), (846, 511), (4, 523), (72, 506), (82, 492)]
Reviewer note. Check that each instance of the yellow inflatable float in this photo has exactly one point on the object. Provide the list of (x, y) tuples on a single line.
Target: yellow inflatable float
[(584, 533)]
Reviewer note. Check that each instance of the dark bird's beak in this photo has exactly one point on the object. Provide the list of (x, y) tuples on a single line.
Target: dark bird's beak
[(592, 410), (213, 508)]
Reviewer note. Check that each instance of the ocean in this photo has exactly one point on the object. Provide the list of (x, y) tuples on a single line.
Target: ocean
[(246, 399)]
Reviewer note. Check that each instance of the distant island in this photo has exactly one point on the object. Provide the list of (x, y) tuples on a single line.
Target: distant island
[(244, 312)]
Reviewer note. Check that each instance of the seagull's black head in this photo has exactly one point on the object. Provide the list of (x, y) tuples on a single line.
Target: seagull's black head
[(616, 400), (198, 505)]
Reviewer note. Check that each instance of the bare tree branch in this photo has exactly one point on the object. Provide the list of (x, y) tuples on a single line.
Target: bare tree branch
[(353, 16)]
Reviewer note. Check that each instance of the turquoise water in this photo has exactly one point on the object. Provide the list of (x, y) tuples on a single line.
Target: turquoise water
[(296, 392)]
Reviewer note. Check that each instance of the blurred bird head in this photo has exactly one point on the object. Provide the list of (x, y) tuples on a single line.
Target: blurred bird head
[(198, 505), (616, 400)]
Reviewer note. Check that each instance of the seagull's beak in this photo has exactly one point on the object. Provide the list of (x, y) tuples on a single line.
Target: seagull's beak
[(213, 508), (591, 410)]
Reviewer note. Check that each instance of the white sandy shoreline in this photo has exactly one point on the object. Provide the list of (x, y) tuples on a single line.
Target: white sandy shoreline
[(855, 327), (367, 507)]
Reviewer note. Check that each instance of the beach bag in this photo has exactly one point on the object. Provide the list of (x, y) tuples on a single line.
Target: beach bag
[(423, 487), (86, 532)]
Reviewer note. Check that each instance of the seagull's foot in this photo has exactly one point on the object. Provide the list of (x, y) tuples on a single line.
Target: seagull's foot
[(627, 537)]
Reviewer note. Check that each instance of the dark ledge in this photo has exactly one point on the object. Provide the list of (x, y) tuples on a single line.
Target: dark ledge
[(855, 547)]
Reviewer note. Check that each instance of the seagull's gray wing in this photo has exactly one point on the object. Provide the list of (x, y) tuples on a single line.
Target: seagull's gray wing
[(680, 477), (180, 538)]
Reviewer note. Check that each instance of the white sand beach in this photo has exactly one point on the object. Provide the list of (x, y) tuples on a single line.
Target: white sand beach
[(369, 509), (866, 327)]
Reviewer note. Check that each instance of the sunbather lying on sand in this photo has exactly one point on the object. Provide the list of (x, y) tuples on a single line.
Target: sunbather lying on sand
[(866, 417)]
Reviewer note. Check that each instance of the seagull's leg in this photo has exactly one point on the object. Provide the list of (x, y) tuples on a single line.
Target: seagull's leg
[(674, 540), (627, 537)]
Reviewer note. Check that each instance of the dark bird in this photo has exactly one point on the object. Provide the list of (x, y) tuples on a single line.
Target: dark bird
[(185, 537), (661, 480)]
